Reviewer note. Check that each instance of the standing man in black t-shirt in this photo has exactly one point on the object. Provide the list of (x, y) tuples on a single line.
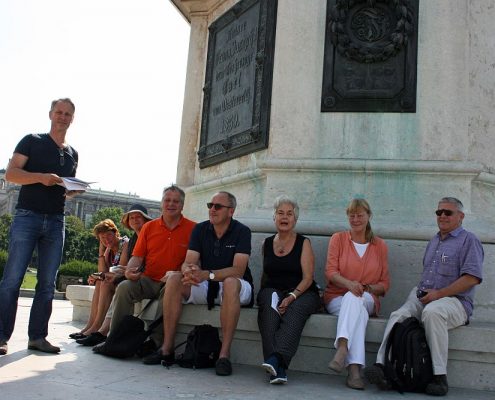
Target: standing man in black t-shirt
[(215, 271), (38, 162)]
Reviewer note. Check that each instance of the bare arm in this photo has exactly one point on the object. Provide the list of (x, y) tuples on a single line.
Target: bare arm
[(239, 265), (124, 260), (193, 274), (133, 266), (192, 258), (308, 269), (15, 173)]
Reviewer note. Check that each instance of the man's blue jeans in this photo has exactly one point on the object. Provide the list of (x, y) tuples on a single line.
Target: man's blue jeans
[(46, 233)]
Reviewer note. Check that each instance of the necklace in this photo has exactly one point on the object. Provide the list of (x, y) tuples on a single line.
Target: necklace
[(280, 246)]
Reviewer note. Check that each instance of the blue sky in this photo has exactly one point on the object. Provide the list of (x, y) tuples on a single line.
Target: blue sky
[(122, 62)]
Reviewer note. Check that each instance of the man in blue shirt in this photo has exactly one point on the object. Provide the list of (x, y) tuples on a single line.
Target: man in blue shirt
[(215, 271), (443, 300), (38, 163)]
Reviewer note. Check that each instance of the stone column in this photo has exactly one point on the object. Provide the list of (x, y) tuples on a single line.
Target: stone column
[(402, 163)]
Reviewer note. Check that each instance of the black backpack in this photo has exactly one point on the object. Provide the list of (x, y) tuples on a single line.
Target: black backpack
[(408, 365), (202, 348), (127, 338)]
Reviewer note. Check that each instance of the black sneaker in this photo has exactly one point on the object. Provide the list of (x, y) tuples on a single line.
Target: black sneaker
[(168, 360), (99, 348), (92, 340), (77, 335), (376, 375), (223, 367), (157, 357), (438, 386), (147, 348)]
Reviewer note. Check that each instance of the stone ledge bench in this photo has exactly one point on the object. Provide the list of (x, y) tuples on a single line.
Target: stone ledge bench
[(471, 347)]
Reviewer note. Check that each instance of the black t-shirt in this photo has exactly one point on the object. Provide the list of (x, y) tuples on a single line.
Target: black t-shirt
[(44, 157), (219, 253)]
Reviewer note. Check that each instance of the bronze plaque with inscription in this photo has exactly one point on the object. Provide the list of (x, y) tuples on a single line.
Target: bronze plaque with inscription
[(238, 82), (370, 56)]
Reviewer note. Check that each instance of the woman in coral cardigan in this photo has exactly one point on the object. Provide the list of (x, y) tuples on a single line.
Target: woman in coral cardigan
[(357, 275)]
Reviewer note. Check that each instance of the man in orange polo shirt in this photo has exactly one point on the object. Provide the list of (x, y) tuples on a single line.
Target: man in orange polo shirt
[(161, 248)]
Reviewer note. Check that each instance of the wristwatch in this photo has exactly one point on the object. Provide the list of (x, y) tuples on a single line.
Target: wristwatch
[(211, 276)]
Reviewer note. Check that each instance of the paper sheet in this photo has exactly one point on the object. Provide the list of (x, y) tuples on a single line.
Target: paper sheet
[(275, 300), (71, 183)]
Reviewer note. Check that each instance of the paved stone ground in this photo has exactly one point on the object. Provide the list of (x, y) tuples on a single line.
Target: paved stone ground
[(77, 373)]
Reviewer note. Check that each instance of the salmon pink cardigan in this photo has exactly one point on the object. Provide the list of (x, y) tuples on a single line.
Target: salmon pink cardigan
[(342, 258)]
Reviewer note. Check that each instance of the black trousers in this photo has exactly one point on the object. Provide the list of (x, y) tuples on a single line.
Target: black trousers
[(280, 334)]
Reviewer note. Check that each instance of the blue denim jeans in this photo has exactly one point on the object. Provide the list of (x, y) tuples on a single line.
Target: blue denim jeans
[(29, 231)]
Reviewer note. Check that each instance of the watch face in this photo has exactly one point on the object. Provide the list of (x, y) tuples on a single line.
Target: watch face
[(212, 276)]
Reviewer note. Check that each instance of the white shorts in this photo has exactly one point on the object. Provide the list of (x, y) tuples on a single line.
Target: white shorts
[(198, 293)]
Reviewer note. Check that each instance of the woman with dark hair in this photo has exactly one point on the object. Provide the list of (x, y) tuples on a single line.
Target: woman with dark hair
[(288, 293), (356, 274)]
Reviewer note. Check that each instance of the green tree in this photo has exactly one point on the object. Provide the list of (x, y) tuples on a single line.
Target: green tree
[(88, 247), (76, 245), (5, 222), (115, 214)]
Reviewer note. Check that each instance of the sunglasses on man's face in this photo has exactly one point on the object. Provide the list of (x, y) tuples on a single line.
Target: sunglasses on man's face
[(448, 213), (216, 206)]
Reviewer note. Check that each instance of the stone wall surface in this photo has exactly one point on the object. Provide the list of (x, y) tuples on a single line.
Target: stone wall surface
[(403, 163)]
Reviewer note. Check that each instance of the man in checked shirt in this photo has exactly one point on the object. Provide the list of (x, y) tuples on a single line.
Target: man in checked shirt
[(443, 299)]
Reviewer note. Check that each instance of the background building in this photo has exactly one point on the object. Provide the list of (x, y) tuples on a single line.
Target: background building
[(83, 206)]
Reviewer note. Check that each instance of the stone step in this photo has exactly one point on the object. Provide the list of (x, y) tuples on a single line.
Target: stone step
[(471, 348)]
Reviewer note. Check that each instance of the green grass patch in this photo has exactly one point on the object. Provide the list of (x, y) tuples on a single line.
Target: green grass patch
[(29, 281)]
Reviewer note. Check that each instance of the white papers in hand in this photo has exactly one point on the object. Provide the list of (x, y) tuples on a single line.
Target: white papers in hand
[(275, 300), (71, 183)]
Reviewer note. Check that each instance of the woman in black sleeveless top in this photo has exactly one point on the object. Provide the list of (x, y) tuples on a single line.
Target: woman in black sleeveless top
[(288, 294)]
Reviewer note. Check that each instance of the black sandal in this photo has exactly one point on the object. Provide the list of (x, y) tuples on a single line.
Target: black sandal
[(77, 335)]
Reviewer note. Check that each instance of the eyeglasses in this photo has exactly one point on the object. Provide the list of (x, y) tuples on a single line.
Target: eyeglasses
[(216, 206), (448, 213), (62, 157)]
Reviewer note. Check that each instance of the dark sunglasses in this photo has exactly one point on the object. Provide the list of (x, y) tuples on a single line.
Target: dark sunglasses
[(448, 213), (216, 206), (62, 157)]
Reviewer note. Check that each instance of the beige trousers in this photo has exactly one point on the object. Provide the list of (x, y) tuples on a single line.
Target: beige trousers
[(437, 317)]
